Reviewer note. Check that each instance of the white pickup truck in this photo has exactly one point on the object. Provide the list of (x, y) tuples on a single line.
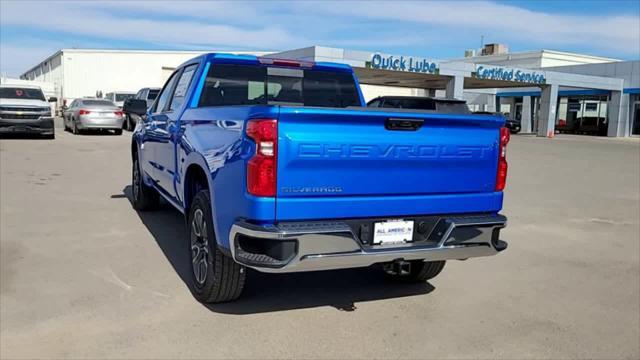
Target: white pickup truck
[(24, 109)]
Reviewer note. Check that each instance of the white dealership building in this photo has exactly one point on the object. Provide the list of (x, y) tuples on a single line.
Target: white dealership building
[(547, 91)]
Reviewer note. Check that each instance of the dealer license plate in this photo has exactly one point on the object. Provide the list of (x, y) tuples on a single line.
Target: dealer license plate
[(392, 232)]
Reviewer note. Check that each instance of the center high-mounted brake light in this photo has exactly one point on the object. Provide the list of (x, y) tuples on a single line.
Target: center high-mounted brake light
[(501, 177), (286, 62), (84, 112), (261, 168)]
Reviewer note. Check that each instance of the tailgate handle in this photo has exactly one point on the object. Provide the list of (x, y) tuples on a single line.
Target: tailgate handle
[(403, 124)]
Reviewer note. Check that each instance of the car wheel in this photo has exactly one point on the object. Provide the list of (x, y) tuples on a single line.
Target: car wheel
[(145, 198), (216, 277), (128, 126), (117, 131), (76, 131), (420, 271)]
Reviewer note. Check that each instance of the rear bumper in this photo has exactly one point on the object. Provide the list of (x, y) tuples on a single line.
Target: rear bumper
[(326, 245), (100, 123), (43, 125)]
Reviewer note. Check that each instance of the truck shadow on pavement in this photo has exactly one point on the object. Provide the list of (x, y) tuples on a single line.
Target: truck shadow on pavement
[(341, 289)]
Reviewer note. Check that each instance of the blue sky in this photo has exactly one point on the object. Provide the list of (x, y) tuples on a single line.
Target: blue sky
[(32, 30)]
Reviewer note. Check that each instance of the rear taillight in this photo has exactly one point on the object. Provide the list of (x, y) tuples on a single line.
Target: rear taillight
[(84, 112), (261, 168), (501, 178), (118, 113)]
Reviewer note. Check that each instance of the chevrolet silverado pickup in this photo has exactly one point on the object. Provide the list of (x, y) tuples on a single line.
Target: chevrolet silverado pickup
[(279, 166), (24, 110)]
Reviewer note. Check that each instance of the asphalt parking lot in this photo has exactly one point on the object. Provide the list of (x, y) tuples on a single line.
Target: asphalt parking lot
[(85, 276)]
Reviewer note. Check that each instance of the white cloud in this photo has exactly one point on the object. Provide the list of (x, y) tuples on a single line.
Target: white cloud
[(88, 20), (615, 33), (383, 26)]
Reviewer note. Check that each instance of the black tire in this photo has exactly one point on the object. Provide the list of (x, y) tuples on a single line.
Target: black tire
[(145, 198), (117, 131), (130, 125), (215, 277), (421, 271), (50, 136), (75, 129)]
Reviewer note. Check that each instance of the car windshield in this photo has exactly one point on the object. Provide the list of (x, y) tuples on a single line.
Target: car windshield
[(153, 94), (98, 103), (21, 93), (123, 97)]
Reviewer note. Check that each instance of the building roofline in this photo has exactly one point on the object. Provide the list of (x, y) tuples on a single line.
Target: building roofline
[(528, 53), (40, 63), (137, 51), (549, 51)]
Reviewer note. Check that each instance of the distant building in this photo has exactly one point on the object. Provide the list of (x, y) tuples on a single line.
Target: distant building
[(547, 90)]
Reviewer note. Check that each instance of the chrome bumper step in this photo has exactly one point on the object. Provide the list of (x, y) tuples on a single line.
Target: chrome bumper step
[(326, 245)]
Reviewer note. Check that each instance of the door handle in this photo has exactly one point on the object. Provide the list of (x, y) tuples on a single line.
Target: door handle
[(403, 124)]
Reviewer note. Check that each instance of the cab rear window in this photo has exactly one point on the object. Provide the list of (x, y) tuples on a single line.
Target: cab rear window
[(257, 85)]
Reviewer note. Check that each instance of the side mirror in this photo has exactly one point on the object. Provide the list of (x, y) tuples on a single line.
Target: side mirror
[(135, 106), (53, 99)]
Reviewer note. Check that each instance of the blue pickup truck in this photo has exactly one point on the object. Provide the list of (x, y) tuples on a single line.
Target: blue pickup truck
[(279, 166)]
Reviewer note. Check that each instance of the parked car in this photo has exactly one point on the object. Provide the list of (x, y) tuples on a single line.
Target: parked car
[(24, 109), (95, 114), (420, 103), (514, 125), (118, 97), (278, 166), (148, 95)]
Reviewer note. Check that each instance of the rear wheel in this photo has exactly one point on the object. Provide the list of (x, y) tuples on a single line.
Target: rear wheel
[(216, 277), (420, 271), (117, 131), (76, 131), (145, 198), (130, 126)]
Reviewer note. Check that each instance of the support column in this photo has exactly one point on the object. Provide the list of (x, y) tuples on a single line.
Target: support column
[(548, 108), (618, 125), (455, 87), (492, 100), (525, 121), (431, 92)]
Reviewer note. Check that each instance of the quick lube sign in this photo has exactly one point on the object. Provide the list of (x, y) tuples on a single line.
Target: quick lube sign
[(507, 74), (403, 63)]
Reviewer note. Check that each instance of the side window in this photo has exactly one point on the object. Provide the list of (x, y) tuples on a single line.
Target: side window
[(165, 94), (375, 103), (181, 88), (139, 95)]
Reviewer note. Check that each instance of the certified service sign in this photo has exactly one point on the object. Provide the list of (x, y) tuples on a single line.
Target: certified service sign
[(402, 63), (508, 74)]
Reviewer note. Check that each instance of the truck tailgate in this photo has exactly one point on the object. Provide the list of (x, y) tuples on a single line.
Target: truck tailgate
[(365, 162)]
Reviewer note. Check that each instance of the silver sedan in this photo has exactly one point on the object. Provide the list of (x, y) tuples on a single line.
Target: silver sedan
[(97, 114)]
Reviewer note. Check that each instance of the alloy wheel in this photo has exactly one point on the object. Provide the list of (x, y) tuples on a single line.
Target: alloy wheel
[(199, 247)]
